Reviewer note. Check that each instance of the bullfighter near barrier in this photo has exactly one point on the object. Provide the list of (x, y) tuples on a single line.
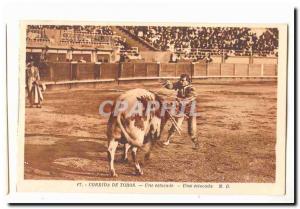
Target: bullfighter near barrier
[(152, 108)]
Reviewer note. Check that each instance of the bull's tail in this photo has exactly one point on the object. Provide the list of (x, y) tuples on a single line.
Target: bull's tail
[(129, 138)]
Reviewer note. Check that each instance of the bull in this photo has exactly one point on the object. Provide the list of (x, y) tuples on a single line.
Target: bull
[(137, 121)]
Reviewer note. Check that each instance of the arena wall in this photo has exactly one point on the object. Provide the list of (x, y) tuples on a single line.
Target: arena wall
[(214, 69), (227, 69), (61, 71), (66, 71), (108, 71), (200, 69), (264, 60), (241, 69), (238, 60), (147, 56), (150, 56), (153, 69), (217, 59), (85, 71), (255, 69), (140, 69), (168, 69), (270, 69)]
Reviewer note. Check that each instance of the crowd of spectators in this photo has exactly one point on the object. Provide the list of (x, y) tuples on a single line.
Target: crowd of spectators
[(185, 43), (78, 35), (101, 30), (121, 43), (231, 40)]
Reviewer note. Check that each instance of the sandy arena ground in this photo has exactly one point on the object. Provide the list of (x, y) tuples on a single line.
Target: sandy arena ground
[(65, 139)]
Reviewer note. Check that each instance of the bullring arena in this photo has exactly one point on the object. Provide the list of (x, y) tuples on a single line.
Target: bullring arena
[(237, 101)]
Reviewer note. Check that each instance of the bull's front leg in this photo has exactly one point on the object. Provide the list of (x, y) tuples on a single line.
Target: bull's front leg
[(138, 168), (112, 146)]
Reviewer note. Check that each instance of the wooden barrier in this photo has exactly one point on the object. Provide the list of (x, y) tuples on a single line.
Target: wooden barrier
[(200, 69), (46, 72), (127, 70), (140, 69), (255, 70), (241, 69), (227, 70), (183, 68), (85, 71), (168, 69), (109, 71), (66, 71), (214, 69), (97, 70), (153, 69), (61, 71), (269, 70)]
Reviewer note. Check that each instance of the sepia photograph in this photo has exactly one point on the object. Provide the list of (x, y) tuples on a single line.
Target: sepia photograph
[(153, 105)]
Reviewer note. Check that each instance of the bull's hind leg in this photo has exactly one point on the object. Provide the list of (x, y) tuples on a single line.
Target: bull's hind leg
[(112, 146), (125, 154), (138, 169), (147, 148)]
